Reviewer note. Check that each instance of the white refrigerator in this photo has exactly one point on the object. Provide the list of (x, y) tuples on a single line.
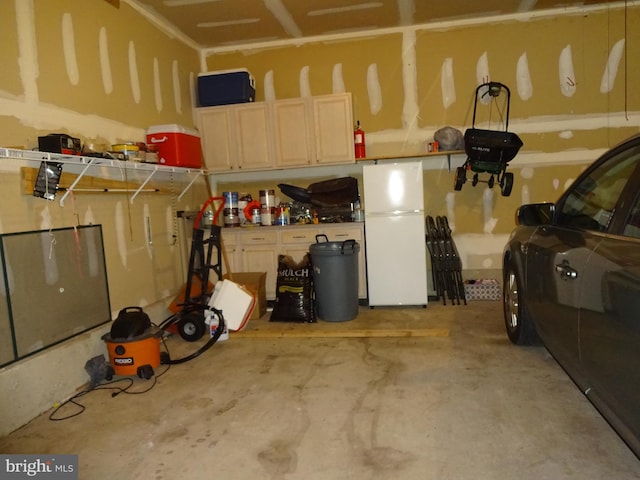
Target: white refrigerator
[(395, 234)]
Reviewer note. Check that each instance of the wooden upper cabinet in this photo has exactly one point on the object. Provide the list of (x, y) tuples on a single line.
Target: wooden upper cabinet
[(287, 133), (236, 137), (216, 125), (293, 132), (333, 123), (253, 131)]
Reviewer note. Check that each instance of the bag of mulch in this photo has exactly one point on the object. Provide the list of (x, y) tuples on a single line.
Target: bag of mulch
[(294, 291)]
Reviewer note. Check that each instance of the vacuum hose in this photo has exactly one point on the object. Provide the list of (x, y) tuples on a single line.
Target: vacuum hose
[(177, 317)]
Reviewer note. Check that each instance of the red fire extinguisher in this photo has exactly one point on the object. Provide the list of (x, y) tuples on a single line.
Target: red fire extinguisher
[(358, 138)]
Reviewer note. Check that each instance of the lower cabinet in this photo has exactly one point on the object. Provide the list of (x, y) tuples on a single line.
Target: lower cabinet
[(256, 249), (295, 241)]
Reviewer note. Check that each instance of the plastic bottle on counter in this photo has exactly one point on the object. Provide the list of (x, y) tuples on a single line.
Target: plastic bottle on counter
[(243, 200)]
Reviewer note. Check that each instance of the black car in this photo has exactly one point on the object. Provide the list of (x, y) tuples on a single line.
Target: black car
[(571, 279)]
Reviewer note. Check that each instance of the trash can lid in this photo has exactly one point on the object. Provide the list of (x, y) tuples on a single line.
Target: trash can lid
[(347, 247)]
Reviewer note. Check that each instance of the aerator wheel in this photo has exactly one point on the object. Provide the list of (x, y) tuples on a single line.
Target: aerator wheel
[(491, 181), (461, 177), (191, 327), (475, 180), (506, 184)]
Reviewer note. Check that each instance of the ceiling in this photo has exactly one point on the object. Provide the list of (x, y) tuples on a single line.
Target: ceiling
[(219, 24)]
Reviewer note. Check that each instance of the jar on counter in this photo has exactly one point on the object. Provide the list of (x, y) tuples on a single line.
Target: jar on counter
[(268, 215), (282, 214), (268, 204), (256, 216)]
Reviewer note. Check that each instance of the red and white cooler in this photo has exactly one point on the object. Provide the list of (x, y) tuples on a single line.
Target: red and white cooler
[(176, 145)]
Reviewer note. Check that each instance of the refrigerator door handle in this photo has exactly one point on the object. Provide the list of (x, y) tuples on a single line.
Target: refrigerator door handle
[(405, 212), (392, 213)]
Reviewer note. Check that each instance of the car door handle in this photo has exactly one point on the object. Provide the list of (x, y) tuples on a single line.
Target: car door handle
[(565, 271)]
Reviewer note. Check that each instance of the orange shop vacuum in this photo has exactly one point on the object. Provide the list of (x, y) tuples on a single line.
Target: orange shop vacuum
[(133, 344)]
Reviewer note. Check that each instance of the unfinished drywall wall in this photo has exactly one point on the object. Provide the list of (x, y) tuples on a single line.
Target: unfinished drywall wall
[(97, 72), (570, 82), (567, 73), (573, 95), (102, 74)]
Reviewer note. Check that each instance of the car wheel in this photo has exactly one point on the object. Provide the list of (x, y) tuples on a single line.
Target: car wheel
[(518, 323)]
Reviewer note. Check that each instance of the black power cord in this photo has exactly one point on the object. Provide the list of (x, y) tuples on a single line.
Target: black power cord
[(164, 360), (117, 390)]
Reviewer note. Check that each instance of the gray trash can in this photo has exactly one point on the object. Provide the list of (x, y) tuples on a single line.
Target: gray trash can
[(335, 278)]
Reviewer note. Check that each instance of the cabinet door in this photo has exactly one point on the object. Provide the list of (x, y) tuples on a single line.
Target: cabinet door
[(356, 232), (231, 259), (293, 133), (259, 252), (333, 123), (262, 258), (296, 241), (297, 252), (253, 137), (218, 139)]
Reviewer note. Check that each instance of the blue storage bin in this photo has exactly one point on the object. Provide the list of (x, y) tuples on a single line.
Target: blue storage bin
[(225, 87)]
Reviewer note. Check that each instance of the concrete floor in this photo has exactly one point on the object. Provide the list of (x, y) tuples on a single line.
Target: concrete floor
[(451, 399)]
